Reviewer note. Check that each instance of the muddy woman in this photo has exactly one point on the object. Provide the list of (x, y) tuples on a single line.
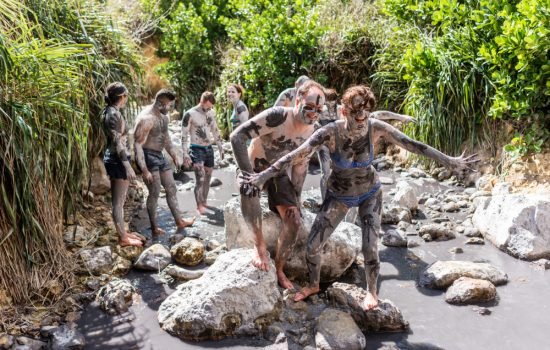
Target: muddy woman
[(240, 111), (353, 181)]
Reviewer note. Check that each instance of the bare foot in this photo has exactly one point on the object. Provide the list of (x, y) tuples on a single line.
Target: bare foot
[(129, 241), (261, 258), (182, 223), (306, 292), (370, 302), (284, 281), (137, 236), (157, 231), (201, 209)]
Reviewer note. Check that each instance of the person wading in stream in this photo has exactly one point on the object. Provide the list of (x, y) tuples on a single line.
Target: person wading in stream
[(151, 137), (274, 133), (197, 124), (353, 181), (117, 159)]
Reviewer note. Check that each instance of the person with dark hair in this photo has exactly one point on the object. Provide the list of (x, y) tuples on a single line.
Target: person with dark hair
[(287, 98), (151, 137), (353, 181), (117, 159), (240, 112), (199, 126), (274, 133)]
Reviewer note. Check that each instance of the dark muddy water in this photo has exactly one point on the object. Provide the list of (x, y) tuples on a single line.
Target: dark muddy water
[(519, 319)]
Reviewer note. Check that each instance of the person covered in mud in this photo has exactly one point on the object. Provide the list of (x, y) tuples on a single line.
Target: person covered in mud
[(197, 125), (117, 158), (353, 181), (240, 111), (287, 98), (274, 133), (151, 137)]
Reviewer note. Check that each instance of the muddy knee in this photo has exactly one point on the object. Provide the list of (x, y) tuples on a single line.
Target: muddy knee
[(292, 218)]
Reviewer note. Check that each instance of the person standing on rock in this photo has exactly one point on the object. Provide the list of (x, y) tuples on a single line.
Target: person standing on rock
[(197, 124), (240, 111), (151, 138), (274, 133), (287, 98), (353, 181), (117, 158)]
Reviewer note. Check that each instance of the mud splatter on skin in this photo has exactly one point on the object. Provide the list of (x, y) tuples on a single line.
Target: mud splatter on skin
[(276, 117)]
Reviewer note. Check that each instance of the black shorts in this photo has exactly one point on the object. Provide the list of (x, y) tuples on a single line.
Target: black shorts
[(202, 154), (155, 160), (114, 167), (280, 191)]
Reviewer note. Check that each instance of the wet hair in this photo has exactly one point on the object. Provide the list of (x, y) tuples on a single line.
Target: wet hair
[(331, 95), (207, 96), (165, 93), (368, 100), (114, 92), (301, 80), (237, 87), (308, 85)]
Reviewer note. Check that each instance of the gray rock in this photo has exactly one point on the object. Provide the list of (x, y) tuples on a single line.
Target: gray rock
[(516, 223), (78, 236), (116, 296), (444, 175), (405, 196), (437, 232), (154, 258), (6, 341), (176, 238), (31, 344), (386, 180), (129, 252), (179, 273), (456, 250), (413, 243), (210, 257), (541, 264), (100, 183), (394, 238), (337, 330), (393, 214), (478, 194), (474, 240), (214, 182), (67, 337), (337, 255), (384, 318), (431, 202), (450, 207), (96, 261), (442, 274), (189, 251), (232, 298), (471, 232), (469, 291)]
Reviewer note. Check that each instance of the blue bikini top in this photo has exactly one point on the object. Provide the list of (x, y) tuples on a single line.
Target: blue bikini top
[(343, 163)]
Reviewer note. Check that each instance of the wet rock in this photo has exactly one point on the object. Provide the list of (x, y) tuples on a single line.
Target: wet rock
[(275, 334), (232, 297), (214, 182), (78, 236), (100, 183), (450, 207), (442, 274), (129, 252), (95, 261), (386, 180), (405, 196), (416, 173), (66, 337), (471, 232), (176, 238), (474, 240), (444, 175), (179, 273), (437, 232), (189, 251), (478, 194), (456, 250), (337, 255), (212, 244), (154, 258), (516, 223), (210, 257), (469, 291), (541, 264), (463, 203), (349, 298), (6, 341), (482, 310), (427, 238), (486, 182), (413, 243), (121, 266), (394, 238), (337, 330), (30, 343), (393, 214), (116, 296), (430, 202)]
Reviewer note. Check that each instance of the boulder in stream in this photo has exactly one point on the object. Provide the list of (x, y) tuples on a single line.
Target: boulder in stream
[(441, 274), (337, 330)]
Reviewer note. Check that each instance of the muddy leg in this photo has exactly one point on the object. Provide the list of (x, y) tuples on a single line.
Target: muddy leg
[(152, 201), (167, 181), (252, 213), (287, 238), (324, 161), (206, 186), (119, 188), (369, 213), (199, 187)]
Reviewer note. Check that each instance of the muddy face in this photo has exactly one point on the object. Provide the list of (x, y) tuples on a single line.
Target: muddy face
[(357, 114), (164, 105), (233, 95), (310, 106)]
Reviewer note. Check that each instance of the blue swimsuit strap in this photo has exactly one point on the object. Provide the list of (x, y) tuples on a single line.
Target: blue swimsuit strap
[(355, 201), (345, 164)]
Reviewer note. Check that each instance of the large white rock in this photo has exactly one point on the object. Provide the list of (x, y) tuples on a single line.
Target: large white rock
[(516, 223), (405, 196), (442, 274), (338, 254), (337, 330), (232, 298), (154, 258)]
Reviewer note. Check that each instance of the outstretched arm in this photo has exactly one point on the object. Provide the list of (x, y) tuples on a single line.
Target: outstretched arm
[(386, 115), (141, 131)]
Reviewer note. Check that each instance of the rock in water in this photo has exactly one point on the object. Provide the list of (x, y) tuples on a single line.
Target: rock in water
[(116, 296), (215, 182), (405, 196), (180, 273), (189, 251), (337, 255), (470, 291), (349, 298), (154, 258), (67, 337), (437, 232), (394, 238), (337, 330), (442, 274), (232, 298)]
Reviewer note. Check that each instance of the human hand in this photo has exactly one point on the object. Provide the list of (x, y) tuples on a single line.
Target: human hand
[(408, 119), (177, 162), (130, 173), (147, 177), (248, 184), (464, 163), (187, 161)]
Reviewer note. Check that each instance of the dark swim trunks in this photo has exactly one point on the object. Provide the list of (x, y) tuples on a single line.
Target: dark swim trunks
[(280, 191), (155, 160), (202, 154), (114, 167)]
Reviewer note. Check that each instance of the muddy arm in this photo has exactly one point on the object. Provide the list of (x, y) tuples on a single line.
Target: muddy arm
[(242, 114), (185, 133), (216, 134), (169, 146), (141, 131), (386, 115)]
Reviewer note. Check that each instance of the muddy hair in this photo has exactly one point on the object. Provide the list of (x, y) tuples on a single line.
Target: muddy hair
[(114, 92), (237, 87), (368, 101), (207, 96), (331, 95), (308, 85), (301, 80), (165, 93)]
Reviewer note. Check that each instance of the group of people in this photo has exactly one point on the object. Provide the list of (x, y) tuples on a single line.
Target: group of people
[(272, 151)]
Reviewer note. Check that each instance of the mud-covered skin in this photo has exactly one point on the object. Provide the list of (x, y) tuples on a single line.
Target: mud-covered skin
[(287, 98), (114, 127)]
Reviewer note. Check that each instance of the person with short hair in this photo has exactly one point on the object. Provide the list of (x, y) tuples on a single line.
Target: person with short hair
[(151, 137), (287, 98)]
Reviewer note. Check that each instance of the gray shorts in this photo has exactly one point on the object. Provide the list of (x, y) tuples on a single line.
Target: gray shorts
[(155, 160)]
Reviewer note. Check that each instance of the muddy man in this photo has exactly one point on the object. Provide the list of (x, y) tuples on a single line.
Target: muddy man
[(274, 133), (353, 181), (150, 138)]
